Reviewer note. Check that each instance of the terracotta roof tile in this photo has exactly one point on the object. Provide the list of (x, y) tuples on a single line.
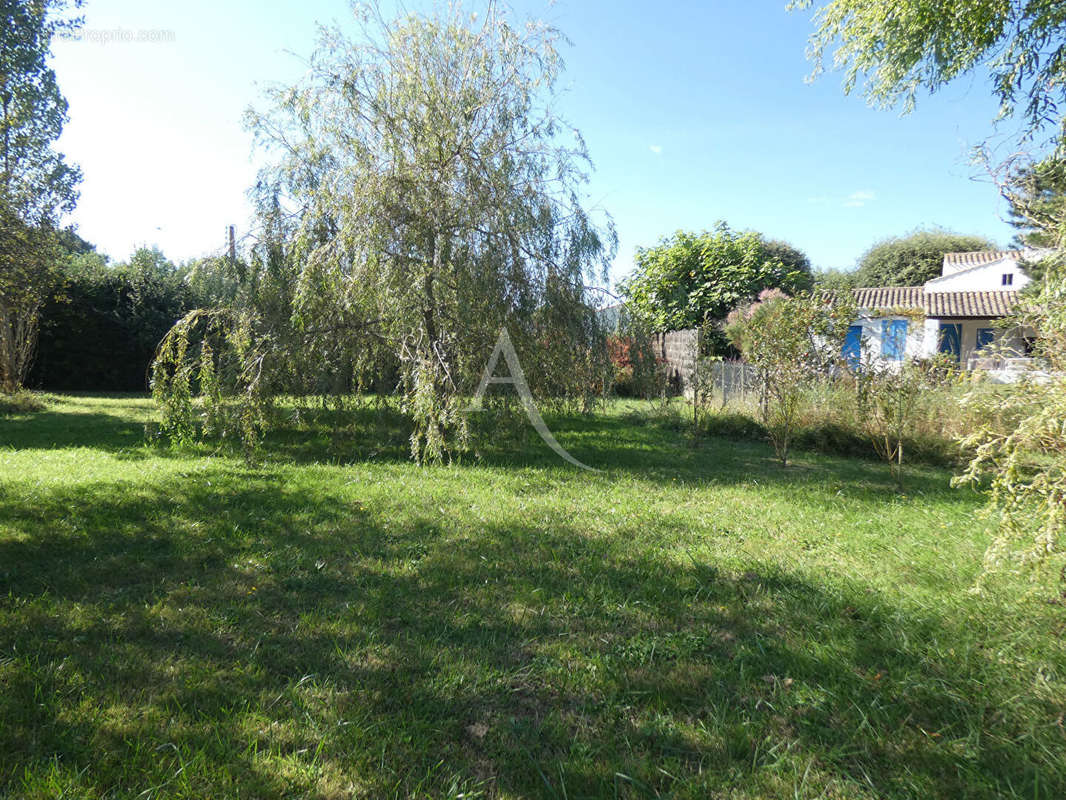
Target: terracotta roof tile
[(938, 304), (979, 257), (890, 297)]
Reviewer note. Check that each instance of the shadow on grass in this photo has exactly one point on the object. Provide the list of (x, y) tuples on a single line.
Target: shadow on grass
[(58, 428), (231, 633), (634, 445)]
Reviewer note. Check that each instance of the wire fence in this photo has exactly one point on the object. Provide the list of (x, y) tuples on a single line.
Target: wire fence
[(727, 381)]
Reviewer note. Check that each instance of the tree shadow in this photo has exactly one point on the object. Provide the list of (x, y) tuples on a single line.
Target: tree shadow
[(632, 446), (230, 631), (635, 446), (57, 428)]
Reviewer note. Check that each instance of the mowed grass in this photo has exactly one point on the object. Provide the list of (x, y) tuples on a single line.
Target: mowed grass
[(694, 621)]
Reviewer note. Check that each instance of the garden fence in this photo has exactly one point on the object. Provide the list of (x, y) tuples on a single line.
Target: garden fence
[(732, 381)]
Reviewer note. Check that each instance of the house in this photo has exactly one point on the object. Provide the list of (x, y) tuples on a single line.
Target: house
[(957, 313)]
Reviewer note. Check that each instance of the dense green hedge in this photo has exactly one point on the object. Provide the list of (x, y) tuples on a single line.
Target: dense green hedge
[(100, 331)]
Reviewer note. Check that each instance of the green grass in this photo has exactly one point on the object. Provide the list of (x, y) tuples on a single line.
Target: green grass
[(21, 402), (692, 622)]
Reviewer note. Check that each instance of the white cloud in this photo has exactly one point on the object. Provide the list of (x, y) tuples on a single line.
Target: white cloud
[(859, 199), (656, 148)]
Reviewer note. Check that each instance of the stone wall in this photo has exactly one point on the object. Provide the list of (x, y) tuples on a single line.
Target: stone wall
[(677, 349)]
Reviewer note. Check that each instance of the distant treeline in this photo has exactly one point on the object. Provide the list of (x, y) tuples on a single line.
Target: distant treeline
[(101, 327)]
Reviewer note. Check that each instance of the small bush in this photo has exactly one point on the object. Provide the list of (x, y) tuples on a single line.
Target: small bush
[(637, 371), (20, 403), (830, 424), (835, 438), (793, 342)]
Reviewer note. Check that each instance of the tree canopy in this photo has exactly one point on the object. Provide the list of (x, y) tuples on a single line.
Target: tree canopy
[(897, 50), (36, 183), (100, 330), (423, 194), (913, 259), (1036, 193), (690, 278), (35, 179), (834, 280)]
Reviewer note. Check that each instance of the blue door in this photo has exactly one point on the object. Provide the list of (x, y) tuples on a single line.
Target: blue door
[(951, 338), (852, 349), (985, 337)]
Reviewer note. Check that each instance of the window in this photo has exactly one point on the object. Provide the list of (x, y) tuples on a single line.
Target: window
[(1008, 279), (985, 337), (893, 339)]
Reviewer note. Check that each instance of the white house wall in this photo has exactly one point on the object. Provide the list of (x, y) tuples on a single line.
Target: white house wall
[(985, 278), (930, 342), (1007, 342), (923, 338), (916, 345)]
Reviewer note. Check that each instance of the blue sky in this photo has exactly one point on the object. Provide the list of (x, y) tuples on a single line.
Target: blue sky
[(693, 112)]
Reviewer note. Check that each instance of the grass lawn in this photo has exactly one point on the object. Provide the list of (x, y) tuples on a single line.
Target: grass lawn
[(692, 622)]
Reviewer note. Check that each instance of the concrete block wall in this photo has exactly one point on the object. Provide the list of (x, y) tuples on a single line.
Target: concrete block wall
[(678, 350)]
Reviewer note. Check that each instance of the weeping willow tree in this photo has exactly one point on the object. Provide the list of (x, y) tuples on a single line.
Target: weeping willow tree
[(1019, 447), (423, 194)]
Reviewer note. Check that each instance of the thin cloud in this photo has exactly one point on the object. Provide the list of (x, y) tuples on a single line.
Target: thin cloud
[(859, 199), (656, 148)]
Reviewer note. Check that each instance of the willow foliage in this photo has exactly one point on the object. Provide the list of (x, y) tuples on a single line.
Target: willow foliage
[(898, 50), (1020, 450), (423, 195)]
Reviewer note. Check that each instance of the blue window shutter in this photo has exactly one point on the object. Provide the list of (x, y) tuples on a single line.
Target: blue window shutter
[(852, 350), (950, 338), (900, 333), (893, 339)]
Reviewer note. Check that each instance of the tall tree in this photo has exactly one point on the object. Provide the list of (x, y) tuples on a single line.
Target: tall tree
[(834, 280), (788, 254), (688, 278), (1037, 196), (425, 194), (913, 259), (36, 183)]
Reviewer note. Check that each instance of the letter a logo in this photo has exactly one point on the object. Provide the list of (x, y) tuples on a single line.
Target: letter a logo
[(518, 378)]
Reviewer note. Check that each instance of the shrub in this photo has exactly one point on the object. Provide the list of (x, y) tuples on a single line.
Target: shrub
[(733, 426), (21, 402), (638, 372), (830, 422), (792, 341), (888, 397)]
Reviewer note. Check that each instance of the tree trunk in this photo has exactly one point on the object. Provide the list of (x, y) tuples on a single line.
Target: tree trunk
[(6, 101), (18, 343)]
